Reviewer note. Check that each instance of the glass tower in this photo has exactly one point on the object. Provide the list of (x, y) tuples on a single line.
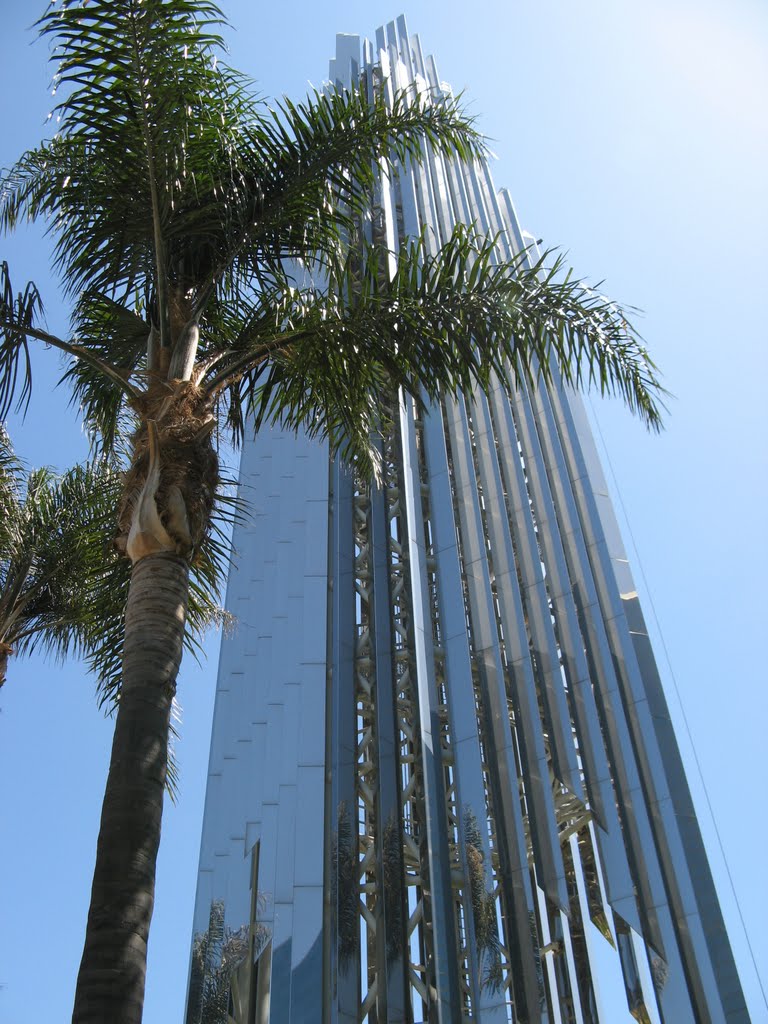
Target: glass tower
[(443, 780)]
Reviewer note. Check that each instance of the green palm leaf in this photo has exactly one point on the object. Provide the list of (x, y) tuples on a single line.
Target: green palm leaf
[(324, 359)]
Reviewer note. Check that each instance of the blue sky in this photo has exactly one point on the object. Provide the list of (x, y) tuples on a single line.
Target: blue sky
[(634, 136)]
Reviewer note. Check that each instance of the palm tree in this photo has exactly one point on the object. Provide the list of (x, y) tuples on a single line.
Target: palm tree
[(211, 245), (53, 570)]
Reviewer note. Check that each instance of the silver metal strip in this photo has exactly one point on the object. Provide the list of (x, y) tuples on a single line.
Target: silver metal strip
[(591, 750), (500, 752), (488, 993), (390, 949), (557, 722), (685, 913), (702, 891), (342, 971), (504, 566), (435, 835)]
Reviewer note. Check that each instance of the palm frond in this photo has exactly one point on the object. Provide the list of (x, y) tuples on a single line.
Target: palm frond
[(95, 204), (63, 586), (308, 169), (324, 359), (190, 183), (11, 498), (152, 113), (11, 466), (119, 335), (19, 311), (62, 571)]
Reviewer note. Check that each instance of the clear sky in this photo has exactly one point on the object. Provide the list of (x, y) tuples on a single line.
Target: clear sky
[(635, 137)]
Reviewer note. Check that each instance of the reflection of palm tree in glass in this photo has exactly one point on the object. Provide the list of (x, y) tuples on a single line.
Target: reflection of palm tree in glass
[(391, 888), (221, 976), (344, 887), (483, 906), (659, 972)]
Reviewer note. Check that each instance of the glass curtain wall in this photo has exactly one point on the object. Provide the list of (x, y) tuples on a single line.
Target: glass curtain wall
[(443, 780)]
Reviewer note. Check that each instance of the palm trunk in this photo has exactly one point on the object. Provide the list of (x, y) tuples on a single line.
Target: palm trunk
[(110, 985)]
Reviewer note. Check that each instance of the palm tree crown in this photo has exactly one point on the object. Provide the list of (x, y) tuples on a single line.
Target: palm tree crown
[(180, 204)]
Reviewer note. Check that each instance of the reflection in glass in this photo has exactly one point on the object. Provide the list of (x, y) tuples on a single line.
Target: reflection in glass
[(344, 887), (632, 983), (483, 907), (221, 974)]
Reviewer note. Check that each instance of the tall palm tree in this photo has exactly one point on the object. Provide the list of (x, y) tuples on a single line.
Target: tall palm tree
[(210, 243), (53, 532)]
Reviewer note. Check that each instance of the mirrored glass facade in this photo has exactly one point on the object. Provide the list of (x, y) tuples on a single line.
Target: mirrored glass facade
[(443, 781)]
